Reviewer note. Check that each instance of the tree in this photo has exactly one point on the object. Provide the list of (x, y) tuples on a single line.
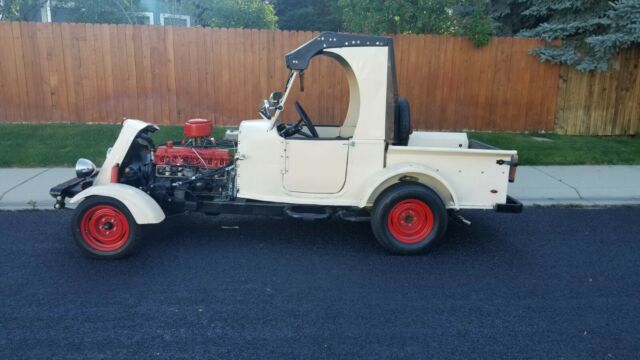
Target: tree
[(474, 21), (468, 18), (20, 10), (508, 18), (398, 16), (581, 33), (311, 15), (254, 14)]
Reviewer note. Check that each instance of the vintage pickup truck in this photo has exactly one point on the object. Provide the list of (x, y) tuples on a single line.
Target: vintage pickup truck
[(373, 167)]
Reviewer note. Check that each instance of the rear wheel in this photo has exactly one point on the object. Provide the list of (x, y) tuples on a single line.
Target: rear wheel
[(408, 218), (104, 228)]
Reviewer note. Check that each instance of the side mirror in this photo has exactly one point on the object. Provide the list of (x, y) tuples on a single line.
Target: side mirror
[(275, 98), (265, 111)]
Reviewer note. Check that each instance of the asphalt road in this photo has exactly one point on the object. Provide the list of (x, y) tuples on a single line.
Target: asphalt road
[(549, 283)]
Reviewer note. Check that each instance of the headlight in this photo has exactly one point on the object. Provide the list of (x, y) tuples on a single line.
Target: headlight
[(84, 168)]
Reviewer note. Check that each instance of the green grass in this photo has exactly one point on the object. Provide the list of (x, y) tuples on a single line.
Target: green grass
[(23, 145), (566, 150)]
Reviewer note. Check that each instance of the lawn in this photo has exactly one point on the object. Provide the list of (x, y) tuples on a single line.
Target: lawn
[(61, 145), (553, 149), (25, 145)]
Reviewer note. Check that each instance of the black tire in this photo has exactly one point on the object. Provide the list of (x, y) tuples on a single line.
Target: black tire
[(403, 122), (104, 228), (419, 218)]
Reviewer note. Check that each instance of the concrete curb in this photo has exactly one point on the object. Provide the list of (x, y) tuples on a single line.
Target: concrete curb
[(28, 189)]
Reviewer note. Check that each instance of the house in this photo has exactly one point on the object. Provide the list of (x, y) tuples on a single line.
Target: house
[(145, 12)]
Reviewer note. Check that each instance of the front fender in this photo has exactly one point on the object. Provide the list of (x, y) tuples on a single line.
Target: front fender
[(420, 173), (143, 208)]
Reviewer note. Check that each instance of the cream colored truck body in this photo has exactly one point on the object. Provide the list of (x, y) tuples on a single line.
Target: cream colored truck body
[(350, 165), (353, 172)]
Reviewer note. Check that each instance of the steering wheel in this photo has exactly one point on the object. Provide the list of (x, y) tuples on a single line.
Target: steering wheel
[(305, 121)]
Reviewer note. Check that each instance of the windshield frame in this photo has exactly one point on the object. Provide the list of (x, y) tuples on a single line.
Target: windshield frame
[(280, 109)]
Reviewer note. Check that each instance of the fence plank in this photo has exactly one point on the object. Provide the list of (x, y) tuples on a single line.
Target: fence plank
[(118, 57), (7, 65), (29, 57), (67, 50), (104, 36)]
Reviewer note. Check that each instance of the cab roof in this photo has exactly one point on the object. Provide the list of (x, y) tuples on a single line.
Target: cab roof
[(299, 58)]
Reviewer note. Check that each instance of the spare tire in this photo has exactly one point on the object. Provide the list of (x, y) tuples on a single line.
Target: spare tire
[(403, 122)]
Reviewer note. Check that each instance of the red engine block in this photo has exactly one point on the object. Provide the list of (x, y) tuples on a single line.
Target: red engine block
[(191, 156), (197, 132)]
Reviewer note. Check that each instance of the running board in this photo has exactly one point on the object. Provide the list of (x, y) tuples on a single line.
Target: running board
[(358, 215), (301, 212), (322, 213)]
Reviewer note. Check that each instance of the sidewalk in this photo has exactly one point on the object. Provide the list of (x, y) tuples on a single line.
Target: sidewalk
[(23, 189), (535, 185), (577, 185)]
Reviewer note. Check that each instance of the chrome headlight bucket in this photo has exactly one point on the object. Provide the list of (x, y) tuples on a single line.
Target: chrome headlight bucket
[(85, 168)]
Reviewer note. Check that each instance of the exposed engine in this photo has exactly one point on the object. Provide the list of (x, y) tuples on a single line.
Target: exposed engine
[(181, 172)]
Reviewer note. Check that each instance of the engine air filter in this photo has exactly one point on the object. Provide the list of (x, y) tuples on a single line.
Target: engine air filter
[(196, 128)]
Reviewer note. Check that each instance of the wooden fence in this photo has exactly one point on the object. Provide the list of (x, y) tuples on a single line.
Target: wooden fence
[(102, 73), (601, 103)]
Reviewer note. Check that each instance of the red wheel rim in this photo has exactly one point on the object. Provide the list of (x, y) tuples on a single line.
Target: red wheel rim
[(410, 221), (104, 228)]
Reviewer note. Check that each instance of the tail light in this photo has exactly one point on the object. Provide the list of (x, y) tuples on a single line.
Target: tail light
[(513, 167)]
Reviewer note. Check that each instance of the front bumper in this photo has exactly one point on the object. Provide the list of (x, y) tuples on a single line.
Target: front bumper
[(512, 205), (69, 189)]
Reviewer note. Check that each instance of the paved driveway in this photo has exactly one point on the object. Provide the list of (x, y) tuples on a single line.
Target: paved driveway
[(549, 283)]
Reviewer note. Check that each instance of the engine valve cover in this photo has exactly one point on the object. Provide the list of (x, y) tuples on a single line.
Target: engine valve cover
[(191, 156)]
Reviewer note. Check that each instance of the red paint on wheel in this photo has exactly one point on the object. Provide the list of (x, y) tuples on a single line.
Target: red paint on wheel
[(104, 228), (410, 221)]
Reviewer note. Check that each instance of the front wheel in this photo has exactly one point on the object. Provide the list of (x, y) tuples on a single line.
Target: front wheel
[(408, 218), (104, 228)]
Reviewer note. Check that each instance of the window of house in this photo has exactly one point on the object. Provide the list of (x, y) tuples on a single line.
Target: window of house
[(143, 18), (175, 20)]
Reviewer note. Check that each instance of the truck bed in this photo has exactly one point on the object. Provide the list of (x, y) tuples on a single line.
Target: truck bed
[(476, 172)]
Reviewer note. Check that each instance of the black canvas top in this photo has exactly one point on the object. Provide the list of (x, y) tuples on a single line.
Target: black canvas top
[(299, 58)]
